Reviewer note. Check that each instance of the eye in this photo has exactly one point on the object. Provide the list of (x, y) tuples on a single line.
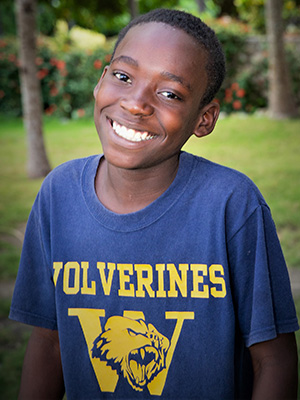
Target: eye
[(122, 77), (131, 332), (170, 95)]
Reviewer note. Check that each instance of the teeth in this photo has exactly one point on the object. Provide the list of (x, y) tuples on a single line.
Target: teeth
[(130, 134)]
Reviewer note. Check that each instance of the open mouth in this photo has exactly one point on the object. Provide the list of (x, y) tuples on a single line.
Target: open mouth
[(130, 134)]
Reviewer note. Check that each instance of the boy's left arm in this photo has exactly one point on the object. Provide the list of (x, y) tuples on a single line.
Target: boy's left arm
[(275, 366)]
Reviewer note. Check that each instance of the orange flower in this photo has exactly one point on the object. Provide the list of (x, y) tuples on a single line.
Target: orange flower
[(235, 86), (97, 64), (240, 93), (237, 105), (107, 58)]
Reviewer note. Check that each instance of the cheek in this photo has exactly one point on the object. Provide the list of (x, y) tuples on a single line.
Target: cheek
[(179, 125), (105, 95)]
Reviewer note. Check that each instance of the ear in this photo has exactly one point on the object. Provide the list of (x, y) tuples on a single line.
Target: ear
[(207, 119), (100, 80)]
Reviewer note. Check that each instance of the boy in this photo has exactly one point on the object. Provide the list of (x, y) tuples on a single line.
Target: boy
[(148, 272)]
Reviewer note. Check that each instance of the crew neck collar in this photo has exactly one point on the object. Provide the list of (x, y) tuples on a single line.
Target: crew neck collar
[(144, 217)]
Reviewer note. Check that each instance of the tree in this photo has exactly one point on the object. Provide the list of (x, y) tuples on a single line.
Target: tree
[(37, 163), (280, 96), (133, 8)]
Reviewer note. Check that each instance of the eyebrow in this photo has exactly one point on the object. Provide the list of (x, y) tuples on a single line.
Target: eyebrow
[(176, 78), (164, 74), (127, 60)]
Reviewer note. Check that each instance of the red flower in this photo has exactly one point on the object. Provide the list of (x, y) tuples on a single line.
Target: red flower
[(235, 86), (50, 110), (228, 95), (53, 91), (237, 105), (12, 58), (107, 58), (241, 93), (2, 94), (2, 43), (97, 64), (60, 64), (42, 73), (53, 61)]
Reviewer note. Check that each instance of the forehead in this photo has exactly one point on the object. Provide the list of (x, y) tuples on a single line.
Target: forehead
[(164, 46)]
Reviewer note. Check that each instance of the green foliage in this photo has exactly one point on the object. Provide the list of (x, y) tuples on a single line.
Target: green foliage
[(10, 100), (70, 64), (232, 44), (253, 12), (67, 79), (251, 80)]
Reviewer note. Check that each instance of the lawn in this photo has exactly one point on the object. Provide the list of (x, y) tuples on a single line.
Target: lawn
[(267, 151)]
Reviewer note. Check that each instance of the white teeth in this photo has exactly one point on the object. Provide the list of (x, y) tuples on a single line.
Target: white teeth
[(130, 134)]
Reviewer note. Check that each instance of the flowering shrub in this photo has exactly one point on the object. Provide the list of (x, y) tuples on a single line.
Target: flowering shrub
[(10, 101), (234, 98), (67, 80)]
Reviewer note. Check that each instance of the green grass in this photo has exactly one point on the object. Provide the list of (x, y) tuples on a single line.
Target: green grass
[(267, 151)]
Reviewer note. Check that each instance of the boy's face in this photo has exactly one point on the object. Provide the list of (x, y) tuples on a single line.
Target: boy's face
[(148, 99)]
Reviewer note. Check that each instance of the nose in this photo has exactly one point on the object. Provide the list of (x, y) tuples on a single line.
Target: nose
[(138, 102)]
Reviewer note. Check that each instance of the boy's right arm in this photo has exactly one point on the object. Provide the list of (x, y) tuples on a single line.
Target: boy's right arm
[(42, 376)]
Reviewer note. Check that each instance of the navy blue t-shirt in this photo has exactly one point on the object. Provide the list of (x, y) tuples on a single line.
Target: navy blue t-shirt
[(160, 303)]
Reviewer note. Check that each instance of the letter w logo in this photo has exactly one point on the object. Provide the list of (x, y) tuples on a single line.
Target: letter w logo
[(128, 346)]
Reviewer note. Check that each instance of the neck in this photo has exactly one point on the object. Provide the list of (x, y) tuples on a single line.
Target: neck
[(125, 191)]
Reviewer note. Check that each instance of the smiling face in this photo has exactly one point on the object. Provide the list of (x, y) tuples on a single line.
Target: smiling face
[(148, 99)]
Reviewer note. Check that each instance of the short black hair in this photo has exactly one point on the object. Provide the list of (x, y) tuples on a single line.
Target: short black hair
[(196, 28)]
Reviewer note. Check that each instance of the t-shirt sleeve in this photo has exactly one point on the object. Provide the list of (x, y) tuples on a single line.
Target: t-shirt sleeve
[(33, 300), (260, 281)]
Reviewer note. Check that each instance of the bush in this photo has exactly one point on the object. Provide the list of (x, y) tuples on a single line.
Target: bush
[(69, 74), (252, 82), (67, 80), (10, 100)]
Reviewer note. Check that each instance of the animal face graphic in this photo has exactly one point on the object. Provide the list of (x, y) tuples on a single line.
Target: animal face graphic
[(134, 349)]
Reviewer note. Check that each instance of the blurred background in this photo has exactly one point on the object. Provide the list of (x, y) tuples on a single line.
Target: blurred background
[(63, 46), (75, 39)]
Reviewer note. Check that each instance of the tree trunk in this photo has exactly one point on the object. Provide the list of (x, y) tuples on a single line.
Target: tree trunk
[(201, 5), (133, 8), (280, 96), (37, 164)]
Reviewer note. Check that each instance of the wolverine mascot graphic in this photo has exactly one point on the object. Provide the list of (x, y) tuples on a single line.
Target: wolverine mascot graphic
[(132, 348)]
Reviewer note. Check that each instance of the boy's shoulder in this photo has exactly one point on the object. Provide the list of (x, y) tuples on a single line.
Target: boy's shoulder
[(71, 169), (221, 174), (217, 180)]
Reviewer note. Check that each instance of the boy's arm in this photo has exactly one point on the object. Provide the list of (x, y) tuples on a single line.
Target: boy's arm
[(275, 366), (42, 376)]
